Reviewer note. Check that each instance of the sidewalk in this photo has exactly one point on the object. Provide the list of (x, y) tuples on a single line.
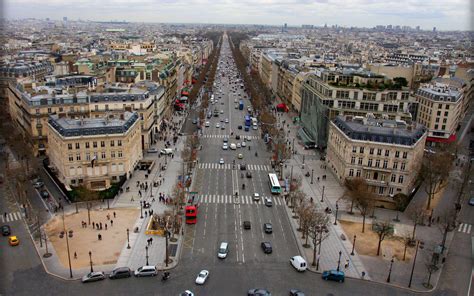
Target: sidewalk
[(375, 268)]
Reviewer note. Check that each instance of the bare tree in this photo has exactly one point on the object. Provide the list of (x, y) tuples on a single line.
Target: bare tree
[(355, 188), (317, 229), (416, 215), (384, 230), (446, 224), (407, 240), (364, 199), (434, 171)]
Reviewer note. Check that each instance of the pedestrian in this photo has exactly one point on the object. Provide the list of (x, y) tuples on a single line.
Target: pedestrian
[(140, 193), (114, 212), (93, 225), (105, 226), (108, 217), (100, 225), (111, 223), (347, 264), (146, 213), (99, 237), (151, 241), (75, 255), (5, 215)]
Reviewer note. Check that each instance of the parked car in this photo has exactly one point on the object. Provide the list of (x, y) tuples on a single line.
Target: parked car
[(247, 225), (258, 292), (266, 247), (146, 270), (44, 193), (296, 292), (333, 275), (38, 184), (471, 201), (6, 230), (202, 277), (120, 272), (93, 277), (152, 150), (195, 121), (267, 227)]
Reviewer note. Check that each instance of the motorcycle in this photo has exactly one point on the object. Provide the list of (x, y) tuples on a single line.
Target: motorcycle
[(307, 174), (256, 154), (166, 276), (243, 186)]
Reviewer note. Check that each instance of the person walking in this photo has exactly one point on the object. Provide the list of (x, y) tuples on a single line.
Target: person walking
[(111, 223), (114, 214)]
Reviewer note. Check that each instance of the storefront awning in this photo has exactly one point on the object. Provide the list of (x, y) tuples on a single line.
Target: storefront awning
[(451, 139)]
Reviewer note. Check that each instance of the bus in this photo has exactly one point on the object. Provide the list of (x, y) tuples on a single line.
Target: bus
[(191, 214), (247, 120), (275, 187)]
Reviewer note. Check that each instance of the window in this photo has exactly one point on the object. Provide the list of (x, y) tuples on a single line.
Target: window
[(436, 126), (71, 158), (360, 160), (381, 190), (377, 163), (96, 107), (102, 143), (393, 178), (78, 156), (439, 113), (376, 176), (112, 143), (353, 160), (94, 144), (358, 173), (395, 165), (387, 153), (402, 166), (78, 146), (103, 156), (447, 107), (371, 151), (361, 150), (397, 154), (351, 173), (400, 179), (390, 190), (112, 154), (88, 156), (382, 177), (119, 142), (87, 145), (405, 155), (120, 154), (369, 163), (106, 107), (446, 113), (443, 127), (37, 111), (50, 111), (354, 149), (367, 175), (69, 146), (385, 164), (379, 152)]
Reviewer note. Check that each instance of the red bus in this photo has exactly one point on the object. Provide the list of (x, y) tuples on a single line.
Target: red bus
[(191, 214)]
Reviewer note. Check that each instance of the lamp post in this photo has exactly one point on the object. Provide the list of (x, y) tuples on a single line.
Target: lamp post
[(167, 253), (146, 251), (339, 261), (67, 247), (353, 245), (335, 218), (322, 195), (390, 271), (141, 210), (128, 239), (312, 174), (90, 260), (414, 261)]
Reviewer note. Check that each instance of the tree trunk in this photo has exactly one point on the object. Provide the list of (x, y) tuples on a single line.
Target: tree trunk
[(352, 207), (363, 223), (405, 252), (314, 251), (414, 230), (378, 248)]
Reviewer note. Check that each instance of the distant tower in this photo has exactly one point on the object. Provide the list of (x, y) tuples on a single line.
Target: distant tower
[(434, 29), (65, 18)]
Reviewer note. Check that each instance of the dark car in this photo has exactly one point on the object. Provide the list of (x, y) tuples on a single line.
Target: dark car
[(6, 230), (471, 201), (296, 292), (120, 272), (239, 127), (259, 292), (237, 137), (248, 174), (333, 275), (267, 227), (267, 247), (195, 121), (44, 194), (247, 225), (243, 167)]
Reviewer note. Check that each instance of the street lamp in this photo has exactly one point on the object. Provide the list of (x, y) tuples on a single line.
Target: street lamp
[(339, 261), (128, 239), (335, 218), (146, 250), (353, 245), (322, 195), (141, 210), (90, 260), (312, 174), (390, 271), (67, 247)]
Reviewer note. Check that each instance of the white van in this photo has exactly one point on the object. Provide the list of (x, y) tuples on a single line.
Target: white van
[(223, 250), (233, 146), (298, 263)]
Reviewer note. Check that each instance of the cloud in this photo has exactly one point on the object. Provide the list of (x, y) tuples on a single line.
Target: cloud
[(448, 15)]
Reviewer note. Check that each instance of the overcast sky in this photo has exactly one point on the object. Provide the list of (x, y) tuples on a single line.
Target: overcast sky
[(443, 14)]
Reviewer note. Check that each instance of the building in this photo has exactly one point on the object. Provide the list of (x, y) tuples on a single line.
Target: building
[(328, 93), (442, 106), (386, 153), (94, 152)]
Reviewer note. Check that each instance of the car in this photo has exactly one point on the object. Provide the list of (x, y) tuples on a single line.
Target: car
[(471, 201), (254, 127), (240, 156), (235, 100), (222, 103), (222, 120), (248, 139), (218, 125), (239, 127), (195, 121), (152, 150), (256, 197), (239, 145), (258, 292), (243, 144), (207, 124), (298, 263), (266, 247), (221, 161), (6, 230), (223, 127), (247, 225), (232, 146), (166, 151), (120, 273), (146, 270), (268, 201), (225, 146), (93, 277), (243, 167), (226, 120), (296, 292), (237, 137), (187, 293), (38, 184), (267, 227), (247, 128), (226, 139), (222, 111), (202, 277), (333, 275), (248, 174), (236, 106), (44, 193)]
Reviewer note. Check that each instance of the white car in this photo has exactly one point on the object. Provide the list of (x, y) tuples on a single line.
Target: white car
[(256, 197), (207, 124), (187, 293), (93, 277), (254, 127), (222, 111), (243, 144), (239, 145), (221, 161), (202, 277), (218, 125), (225, 146), (227, 120)]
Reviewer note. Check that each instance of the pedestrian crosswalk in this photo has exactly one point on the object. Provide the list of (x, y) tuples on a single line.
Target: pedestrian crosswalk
[(231, 199), (10, 217), (229, 166), (227, 136), (464, 227)]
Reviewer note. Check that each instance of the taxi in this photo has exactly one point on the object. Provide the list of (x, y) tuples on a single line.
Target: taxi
[(13, 240)]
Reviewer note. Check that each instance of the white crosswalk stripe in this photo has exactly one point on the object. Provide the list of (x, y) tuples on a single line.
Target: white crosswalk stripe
[(465, 228), (243, 199), (213, 136), (228, 166), (10, 217)]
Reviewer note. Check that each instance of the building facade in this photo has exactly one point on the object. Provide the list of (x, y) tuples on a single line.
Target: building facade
[(386, 153)]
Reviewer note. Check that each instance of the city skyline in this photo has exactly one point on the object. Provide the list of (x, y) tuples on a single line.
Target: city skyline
[(359, 13)]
